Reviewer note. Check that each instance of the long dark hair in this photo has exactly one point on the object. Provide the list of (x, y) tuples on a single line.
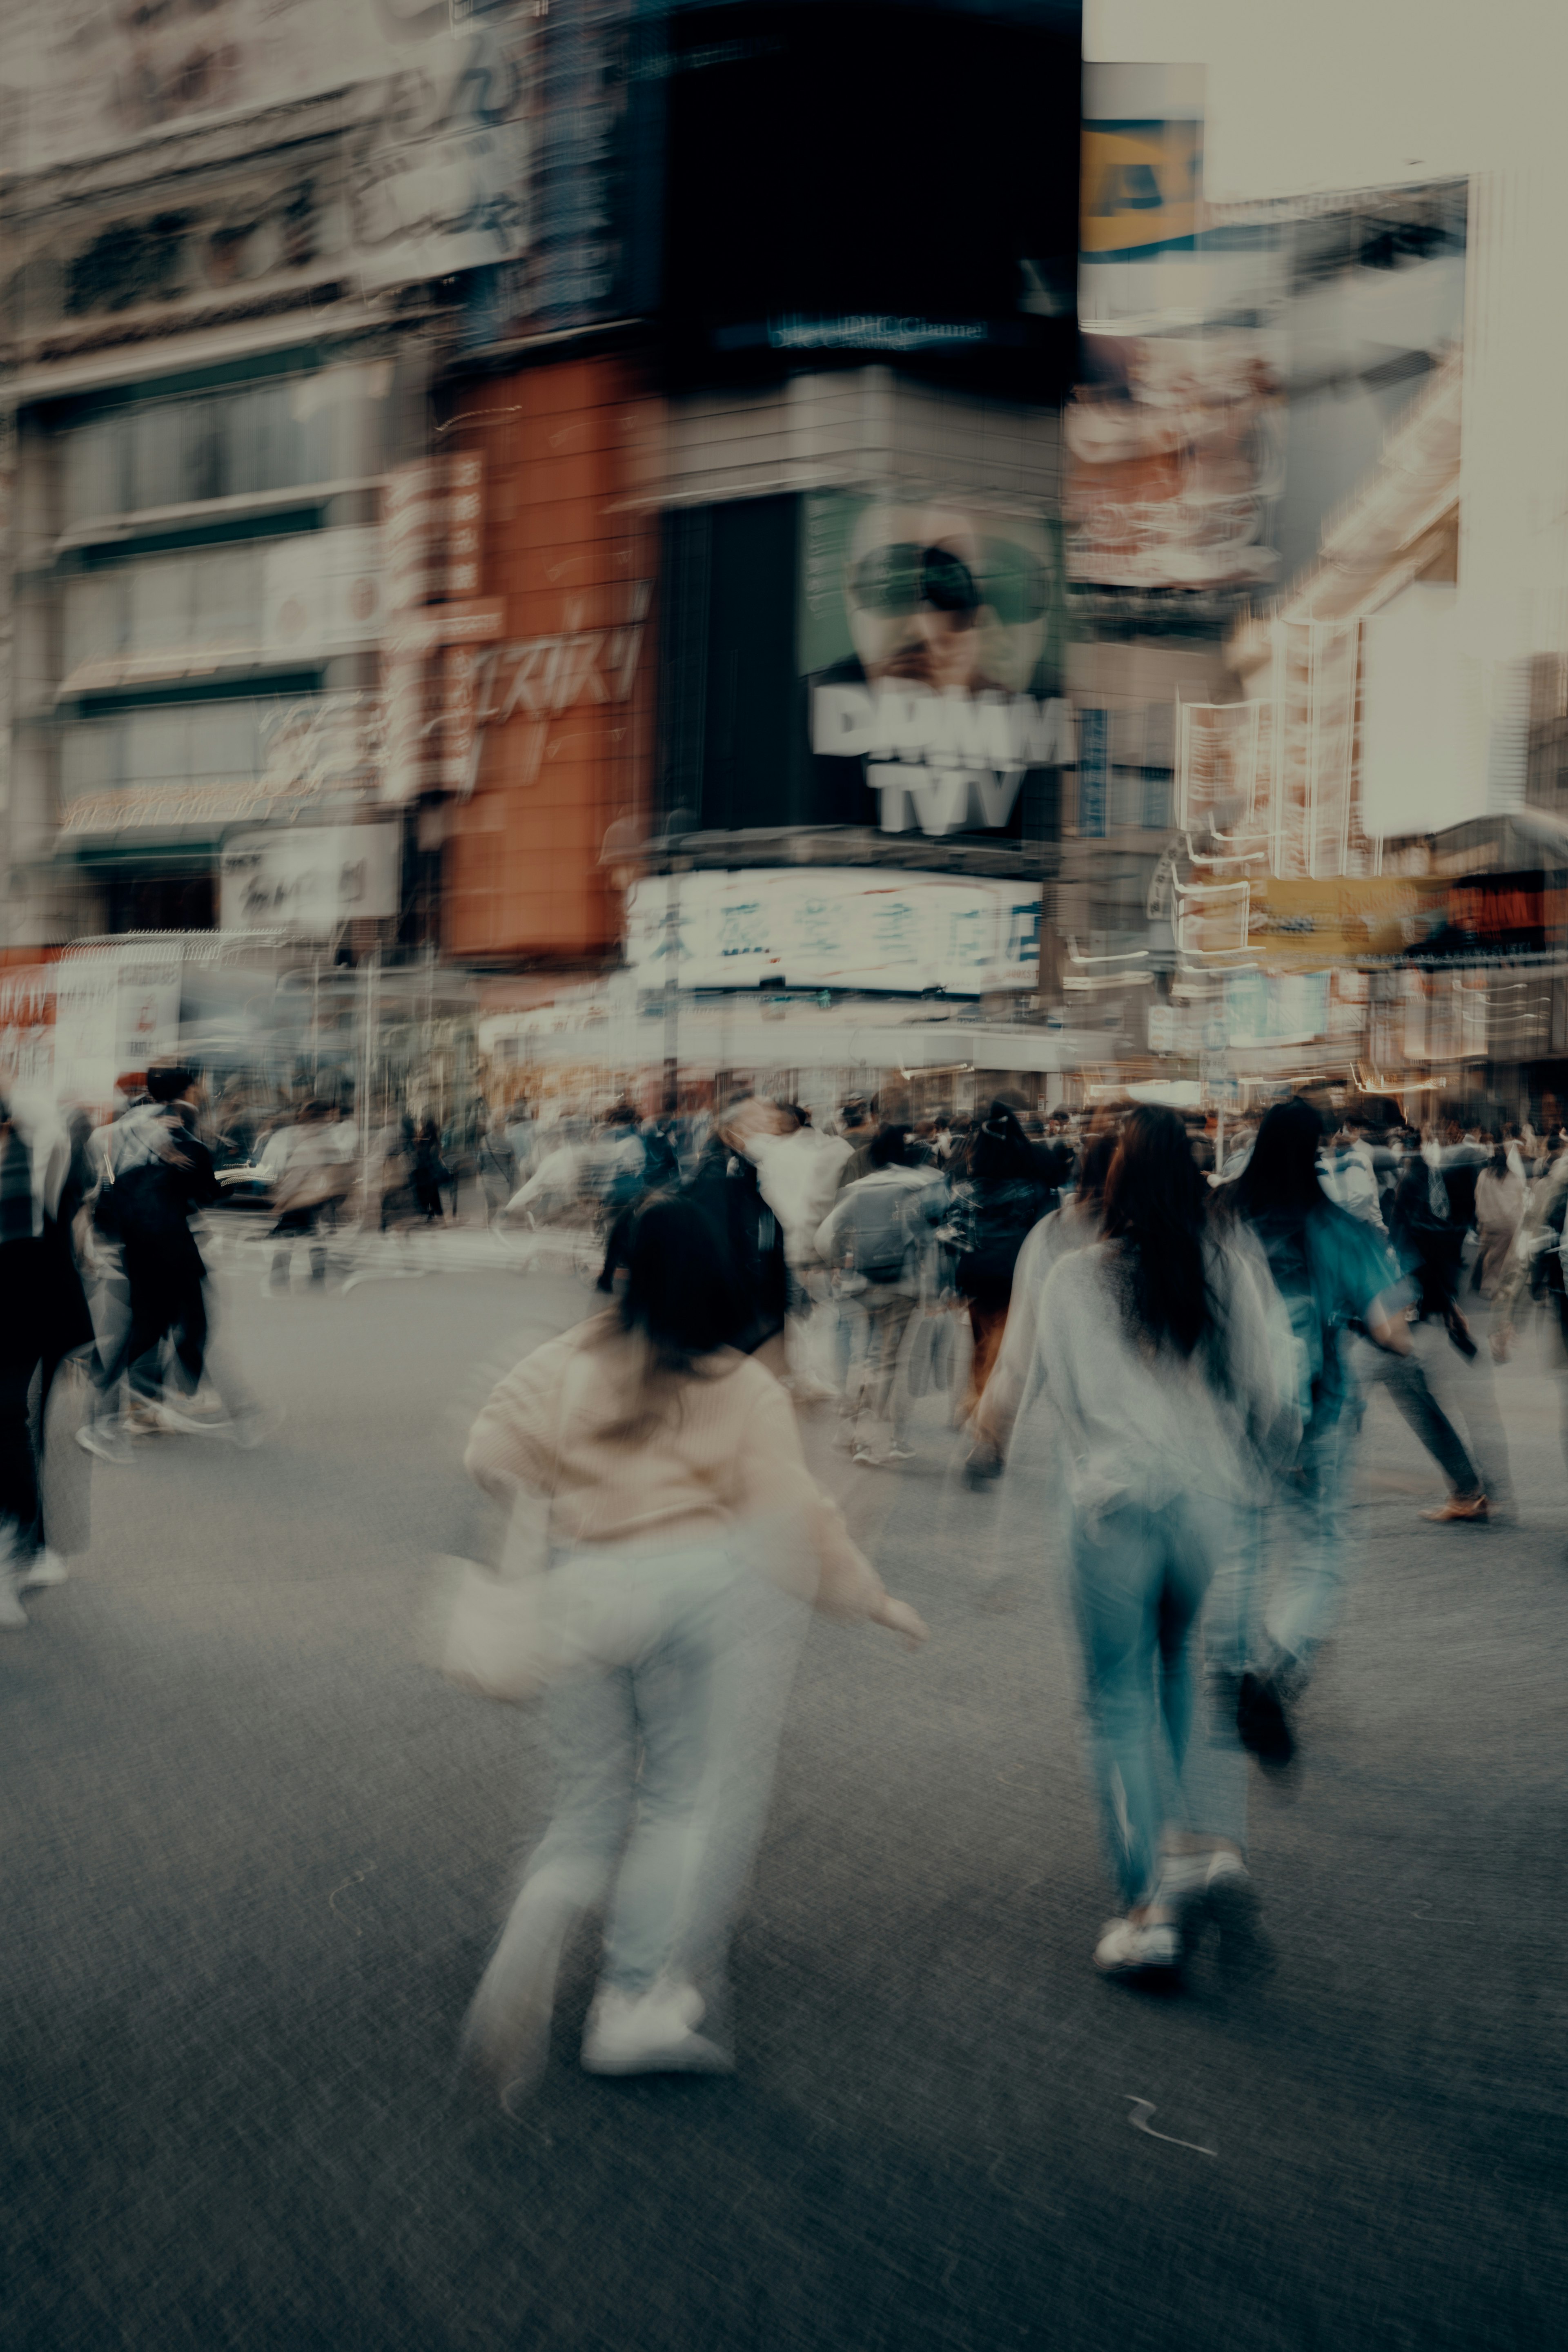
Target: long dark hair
[(679, 1306), (1281, 1180), (1156, 1209), (679, 1297)]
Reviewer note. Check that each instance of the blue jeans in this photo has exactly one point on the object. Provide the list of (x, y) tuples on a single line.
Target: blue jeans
[(1306, 1533), (663, 1740), (1140, 1577)]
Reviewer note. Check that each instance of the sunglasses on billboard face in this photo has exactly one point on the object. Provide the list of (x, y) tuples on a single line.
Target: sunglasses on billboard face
[(897, 581)]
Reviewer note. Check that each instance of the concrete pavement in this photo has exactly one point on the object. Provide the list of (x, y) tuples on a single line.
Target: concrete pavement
[(254, 1852)]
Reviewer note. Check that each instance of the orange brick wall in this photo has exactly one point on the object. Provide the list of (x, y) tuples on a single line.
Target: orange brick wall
[(563, 445)]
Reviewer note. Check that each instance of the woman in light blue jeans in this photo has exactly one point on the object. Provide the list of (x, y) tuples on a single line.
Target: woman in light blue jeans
[(1169, 1374), (688, 1543)]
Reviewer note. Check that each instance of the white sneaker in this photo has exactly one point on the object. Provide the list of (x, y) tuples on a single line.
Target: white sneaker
[(13, 1616), (104, 1439), (46, 1568), (1186, 1877), (649, 2034), (1124, 1949)]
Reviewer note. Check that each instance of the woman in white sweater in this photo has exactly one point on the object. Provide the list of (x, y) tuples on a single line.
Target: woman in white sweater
[(688, 1542)]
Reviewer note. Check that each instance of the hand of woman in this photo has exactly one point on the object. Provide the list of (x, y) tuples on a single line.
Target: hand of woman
[(899, 1618)]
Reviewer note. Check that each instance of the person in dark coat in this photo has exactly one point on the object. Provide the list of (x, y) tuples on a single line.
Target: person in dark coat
[(724, 1184), (42, 1318)]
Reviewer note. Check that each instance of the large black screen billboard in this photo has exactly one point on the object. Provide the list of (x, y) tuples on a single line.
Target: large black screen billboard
[(877, 179)]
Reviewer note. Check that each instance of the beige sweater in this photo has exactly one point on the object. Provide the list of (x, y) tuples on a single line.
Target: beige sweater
[(724, 1453)]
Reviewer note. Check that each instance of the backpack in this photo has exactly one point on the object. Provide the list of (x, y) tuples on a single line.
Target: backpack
[(877, 1232)]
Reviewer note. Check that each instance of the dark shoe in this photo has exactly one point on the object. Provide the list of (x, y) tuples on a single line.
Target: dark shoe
[(1261, 1723)]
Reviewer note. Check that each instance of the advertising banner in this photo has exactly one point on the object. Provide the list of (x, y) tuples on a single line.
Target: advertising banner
[(836, 928), (309, 879), (1175, 455), (931, 636), (27, 1019)]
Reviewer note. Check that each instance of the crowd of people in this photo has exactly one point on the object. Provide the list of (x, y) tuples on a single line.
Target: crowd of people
[(1179, 1353), (1176, 1344)]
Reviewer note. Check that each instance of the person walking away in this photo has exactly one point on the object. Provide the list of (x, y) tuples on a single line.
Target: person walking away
[(688, 1544), (726, 1185), (874, 1237), (1333, 1275), (1075, 1226), (1163, 1363), (998, 1199), (42, 1318), (314, 1179)]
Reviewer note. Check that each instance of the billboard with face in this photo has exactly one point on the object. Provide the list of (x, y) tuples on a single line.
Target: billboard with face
[(931, 638)]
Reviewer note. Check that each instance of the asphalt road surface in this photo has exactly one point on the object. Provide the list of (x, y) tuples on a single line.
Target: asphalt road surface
[(254, 1851)]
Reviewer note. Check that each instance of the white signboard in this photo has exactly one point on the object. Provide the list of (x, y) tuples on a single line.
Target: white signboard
[(116, 1010), (837, 928), (309, 879)]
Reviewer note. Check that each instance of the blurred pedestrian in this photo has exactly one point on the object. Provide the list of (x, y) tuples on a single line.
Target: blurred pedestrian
[(1075, 1226), (996, 1200), (875, 1240), (1499, 1210), (495, 1163), (161, 1174), (430, 1173), (1433, 1208), (798, 1172), (43, 1320), (314, 1182), (688, 1542), (726, 1186), (1333, 1275), (1168, 1383)]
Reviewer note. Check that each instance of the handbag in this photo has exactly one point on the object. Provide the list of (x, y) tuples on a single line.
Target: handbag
[(499, 1641)]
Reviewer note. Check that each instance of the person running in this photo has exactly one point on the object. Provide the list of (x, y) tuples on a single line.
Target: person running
[(999, 1197), (1160, 1359), (688, 1544)]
